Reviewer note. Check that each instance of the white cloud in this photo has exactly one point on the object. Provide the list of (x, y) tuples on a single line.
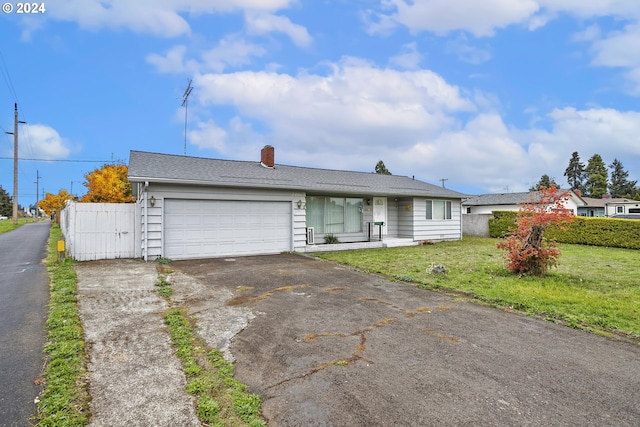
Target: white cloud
[(589, 34), (161, 18), (355, 96), (358, 114), (619, 49), (264, 23), (233, 50), (311, 117), (483, 18), (208, 135), (480, 18), (171, 62), (466, 52), (594, 129), (43, 142), (409, 59)]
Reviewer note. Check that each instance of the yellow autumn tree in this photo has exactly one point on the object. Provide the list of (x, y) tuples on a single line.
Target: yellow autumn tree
[(54, 202), (108, 184)]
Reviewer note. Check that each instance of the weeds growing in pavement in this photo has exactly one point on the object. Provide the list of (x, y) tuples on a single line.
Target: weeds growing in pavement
[(221, 400)]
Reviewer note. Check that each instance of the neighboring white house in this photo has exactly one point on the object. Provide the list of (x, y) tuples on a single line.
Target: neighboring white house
[(620, 206), (195, 207), (487, 203)]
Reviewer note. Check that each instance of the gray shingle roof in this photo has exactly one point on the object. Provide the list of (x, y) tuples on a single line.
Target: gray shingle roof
[(596, 203), (498, 199), (168, 168)]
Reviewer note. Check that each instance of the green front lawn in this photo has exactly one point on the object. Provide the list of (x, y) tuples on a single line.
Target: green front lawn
[(593, 288)]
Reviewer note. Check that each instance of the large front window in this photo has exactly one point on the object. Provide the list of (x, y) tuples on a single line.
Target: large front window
[(438, 209), (334, 214)]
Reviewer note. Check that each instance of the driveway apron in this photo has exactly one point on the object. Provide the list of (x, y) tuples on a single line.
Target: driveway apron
[(135, 378)]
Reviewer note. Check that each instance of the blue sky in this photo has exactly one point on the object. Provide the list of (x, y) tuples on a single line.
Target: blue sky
[(488, 95)]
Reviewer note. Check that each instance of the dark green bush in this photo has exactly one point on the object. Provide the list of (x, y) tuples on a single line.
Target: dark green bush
[(502, 223), (611, 232)]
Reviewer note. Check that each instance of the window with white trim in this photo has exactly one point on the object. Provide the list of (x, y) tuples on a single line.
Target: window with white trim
[(334, 214), (438, 209), (620, 209)]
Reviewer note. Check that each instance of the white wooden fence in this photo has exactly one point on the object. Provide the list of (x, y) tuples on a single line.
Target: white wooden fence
[(96, 231)]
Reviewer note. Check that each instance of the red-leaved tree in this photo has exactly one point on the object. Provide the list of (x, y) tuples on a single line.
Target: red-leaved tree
[(528, 252)]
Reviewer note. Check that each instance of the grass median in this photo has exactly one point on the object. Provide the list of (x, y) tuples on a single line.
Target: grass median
[(221, 400), (7, 225), (64, 402), (592, 288)]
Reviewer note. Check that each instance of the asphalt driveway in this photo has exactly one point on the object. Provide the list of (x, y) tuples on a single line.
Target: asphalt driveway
[(328, 346)]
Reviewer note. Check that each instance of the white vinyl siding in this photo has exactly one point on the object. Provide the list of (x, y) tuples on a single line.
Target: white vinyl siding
[(433, 229)]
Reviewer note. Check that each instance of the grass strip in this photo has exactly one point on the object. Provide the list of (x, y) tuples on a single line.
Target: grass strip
[(7, 225), (221, 400), (64, 401)]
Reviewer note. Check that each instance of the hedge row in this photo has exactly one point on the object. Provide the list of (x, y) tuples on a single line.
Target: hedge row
[(611, 232)]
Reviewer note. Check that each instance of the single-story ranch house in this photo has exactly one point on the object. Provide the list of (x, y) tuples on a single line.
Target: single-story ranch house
[(195, 207), (580, 205), (487, 203)]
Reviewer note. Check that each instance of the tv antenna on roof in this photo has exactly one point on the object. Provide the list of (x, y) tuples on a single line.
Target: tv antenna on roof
[(185, 104), (443, 181)]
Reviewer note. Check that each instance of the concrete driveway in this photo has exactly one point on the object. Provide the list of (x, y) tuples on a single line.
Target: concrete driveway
[(328, 346)]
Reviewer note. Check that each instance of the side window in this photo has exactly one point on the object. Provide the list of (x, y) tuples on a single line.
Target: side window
[(438, 209)]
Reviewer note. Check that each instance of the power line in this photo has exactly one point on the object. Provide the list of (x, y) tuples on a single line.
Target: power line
[(7, 79), (59, 160)]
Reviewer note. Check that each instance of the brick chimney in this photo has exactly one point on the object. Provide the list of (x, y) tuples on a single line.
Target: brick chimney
[(267, 156)]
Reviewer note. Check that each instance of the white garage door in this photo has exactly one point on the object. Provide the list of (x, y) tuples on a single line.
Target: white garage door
[(213, 228)]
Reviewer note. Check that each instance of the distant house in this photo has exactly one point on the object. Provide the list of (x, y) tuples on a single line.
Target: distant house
[(592, 208), (620, 206), (194, 207), (487, 203)]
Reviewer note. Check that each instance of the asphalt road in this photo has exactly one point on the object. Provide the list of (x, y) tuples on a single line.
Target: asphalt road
[(24, 294)]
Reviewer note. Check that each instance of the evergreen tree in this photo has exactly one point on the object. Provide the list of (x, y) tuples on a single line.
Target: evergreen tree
[(545, 182), (575, 173), (6, 203), (382, 169), (597, 177), (620, 184)]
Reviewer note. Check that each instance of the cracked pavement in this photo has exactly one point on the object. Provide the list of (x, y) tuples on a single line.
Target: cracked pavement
[(324, 345)]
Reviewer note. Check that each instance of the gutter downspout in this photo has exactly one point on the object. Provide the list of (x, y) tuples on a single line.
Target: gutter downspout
[(146, 222)]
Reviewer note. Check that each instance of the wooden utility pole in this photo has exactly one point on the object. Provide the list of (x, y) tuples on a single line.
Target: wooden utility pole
[(14, 216), (15, 162), (37, 190)]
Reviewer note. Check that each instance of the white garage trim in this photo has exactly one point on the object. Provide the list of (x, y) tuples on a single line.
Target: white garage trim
[(215, 228)]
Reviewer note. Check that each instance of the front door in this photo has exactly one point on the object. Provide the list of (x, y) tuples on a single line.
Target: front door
[(380, 213)]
